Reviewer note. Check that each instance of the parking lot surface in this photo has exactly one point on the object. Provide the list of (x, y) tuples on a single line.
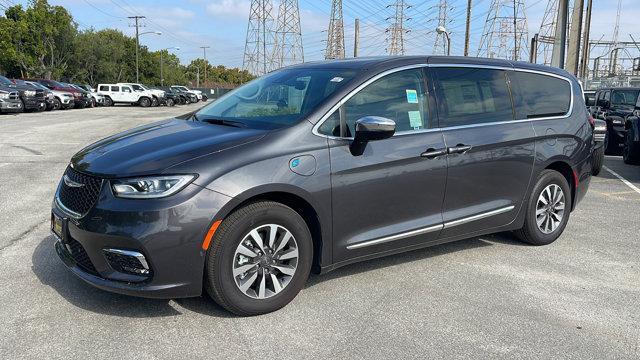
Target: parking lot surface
[(487, 297)]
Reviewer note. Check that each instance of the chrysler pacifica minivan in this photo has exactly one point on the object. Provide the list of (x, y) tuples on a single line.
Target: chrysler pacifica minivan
[(319, 165)]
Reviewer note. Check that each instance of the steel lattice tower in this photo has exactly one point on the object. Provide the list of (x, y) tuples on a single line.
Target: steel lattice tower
[(287, 49), (440, 44), (335, 38), (258, 48), (505, 33), (547, 32), (395, 33)]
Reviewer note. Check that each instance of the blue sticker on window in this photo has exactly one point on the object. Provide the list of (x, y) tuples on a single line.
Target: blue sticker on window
[(412, 96), (295, 162)]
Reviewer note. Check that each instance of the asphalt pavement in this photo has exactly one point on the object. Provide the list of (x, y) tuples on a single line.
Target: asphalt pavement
[(488, 297)]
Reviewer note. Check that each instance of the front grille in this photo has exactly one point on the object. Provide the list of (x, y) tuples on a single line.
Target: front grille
[(81, 193), (79, 255), (14, 95), (40, 94)]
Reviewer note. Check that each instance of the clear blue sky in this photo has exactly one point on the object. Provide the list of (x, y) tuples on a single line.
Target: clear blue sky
[(222, 24)]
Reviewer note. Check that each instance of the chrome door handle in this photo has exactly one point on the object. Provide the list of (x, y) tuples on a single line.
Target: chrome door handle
[(432, 153), (459, 149)]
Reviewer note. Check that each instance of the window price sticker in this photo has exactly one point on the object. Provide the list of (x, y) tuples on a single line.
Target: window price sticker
[(412, 96)]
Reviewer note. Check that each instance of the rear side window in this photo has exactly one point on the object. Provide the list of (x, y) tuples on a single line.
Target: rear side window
[(115, 88), (104, 88), (468, 96), (538, 95)]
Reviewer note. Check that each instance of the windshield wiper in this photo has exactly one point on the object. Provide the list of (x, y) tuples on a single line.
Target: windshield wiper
[(223, 122)]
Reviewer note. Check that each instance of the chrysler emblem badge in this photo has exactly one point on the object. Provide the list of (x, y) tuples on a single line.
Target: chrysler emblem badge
[(71, 183)]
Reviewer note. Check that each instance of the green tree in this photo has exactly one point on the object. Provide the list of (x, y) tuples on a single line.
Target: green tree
[(42, 37)]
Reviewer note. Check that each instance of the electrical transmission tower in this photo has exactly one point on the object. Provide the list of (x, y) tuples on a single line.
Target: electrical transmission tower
[(287, 49), (335, 39), (505, 32), (395, 34), (258, 48), (547, 32), (440, 44)]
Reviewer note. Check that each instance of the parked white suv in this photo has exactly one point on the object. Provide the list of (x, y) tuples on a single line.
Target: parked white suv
[(157, 96), (123, 94)]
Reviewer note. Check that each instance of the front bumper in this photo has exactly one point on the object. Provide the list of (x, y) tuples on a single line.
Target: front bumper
[(10, 106), (617, 135), (168, 232), (33, 103)]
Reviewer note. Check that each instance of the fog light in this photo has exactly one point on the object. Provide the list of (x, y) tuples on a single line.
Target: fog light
[(127, 261)]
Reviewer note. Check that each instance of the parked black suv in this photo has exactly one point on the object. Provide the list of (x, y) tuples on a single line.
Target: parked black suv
[(614, 105), (320, 165), (631, 146), (33, 99)]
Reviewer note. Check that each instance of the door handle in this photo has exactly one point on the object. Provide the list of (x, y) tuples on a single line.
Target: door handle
[(459, 149), (432, 153)]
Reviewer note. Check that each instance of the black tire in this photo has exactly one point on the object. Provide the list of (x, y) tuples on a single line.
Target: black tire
[(93, 102), (631, 149), (204, 97), (170, 102), (108, 101), (220, 283), (530, 233), (611, 145), (598, 160), (144, 102), (154, 102)]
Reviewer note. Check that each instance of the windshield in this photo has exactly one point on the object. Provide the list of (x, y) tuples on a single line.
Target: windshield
[(5, 81), (38, 85), (624, 97), (278, 99)]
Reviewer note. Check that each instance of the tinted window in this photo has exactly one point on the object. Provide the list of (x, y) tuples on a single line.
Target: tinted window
[(115, 88), (537, 95), (471, 96), (104, 88), (399, 96), (606, 96)]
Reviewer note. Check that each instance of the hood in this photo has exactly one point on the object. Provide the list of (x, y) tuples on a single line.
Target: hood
[(625, 109), (152, 148)]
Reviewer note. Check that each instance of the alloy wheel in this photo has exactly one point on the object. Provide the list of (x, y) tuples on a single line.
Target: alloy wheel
[(550, 208), (265, 261)]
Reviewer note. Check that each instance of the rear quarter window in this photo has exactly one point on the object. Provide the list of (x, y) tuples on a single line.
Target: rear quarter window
[(538, 95), (115, 88), (104, 88)]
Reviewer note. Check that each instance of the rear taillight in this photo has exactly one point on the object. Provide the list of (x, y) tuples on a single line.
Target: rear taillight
[(591, 121)]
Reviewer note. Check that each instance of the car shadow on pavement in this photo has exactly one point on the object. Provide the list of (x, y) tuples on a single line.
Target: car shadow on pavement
[(51, 272), (506, 238)]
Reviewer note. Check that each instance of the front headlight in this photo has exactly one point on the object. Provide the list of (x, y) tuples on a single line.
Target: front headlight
[(150, 187), (4, 95), (30, 93)]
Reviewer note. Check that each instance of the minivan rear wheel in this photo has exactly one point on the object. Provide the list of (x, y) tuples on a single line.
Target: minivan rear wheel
[(548, 209), (259, 259)]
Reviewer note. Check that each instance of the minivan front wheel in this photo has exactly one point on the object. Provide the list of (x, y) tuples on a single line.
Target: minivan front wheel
[(259, 258), (548, 209)]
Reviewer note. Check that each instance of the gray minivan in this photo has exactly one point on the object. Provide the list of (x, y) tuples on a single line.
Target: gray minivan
[(319, 165)]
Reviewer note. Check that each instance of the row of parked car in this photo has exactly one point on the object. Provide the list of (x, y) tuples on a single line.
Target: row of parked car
[(35, 95), (619, 109)]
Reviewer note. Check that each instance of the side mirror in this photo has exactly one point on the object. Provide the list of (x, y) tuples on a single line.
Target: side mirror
[(371, 128)]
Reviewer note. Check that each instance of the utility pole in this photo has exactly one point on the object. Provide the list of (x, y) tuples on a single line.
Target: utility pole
[(534, 49), (198, 76), (204, 49), (515, 31), (137, 25), (585, 42), (560, 39), (575, 34), (356, 40), (467, 29)]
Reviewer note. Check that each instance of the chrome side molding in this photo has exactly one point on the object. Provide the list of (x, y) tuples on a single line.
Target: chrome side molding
[(429, 229)]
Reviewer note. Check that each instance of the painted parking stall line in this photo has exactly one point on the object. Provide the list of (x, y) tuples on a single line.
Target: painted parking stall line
[(625, 181)]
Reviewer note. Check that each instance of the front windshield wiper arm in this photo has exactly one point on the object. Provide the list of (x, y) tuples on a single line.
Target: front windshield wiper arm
[(224, 122)]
